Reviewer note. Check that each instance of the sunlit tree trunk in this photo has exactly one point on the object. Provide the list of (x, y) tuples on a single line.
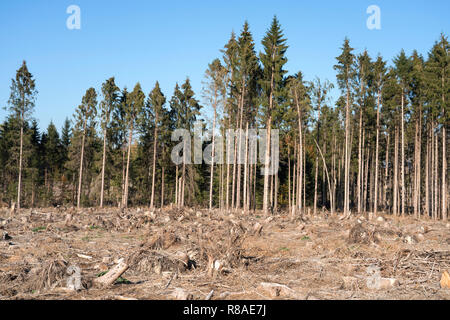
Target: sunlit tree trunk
[(80, 174)]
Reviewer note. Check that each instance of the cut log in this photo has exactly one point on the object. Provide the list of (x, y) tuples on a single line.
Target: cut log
[(445, 280), (181, 294), (112, 275), (276, 290), (384, 284)]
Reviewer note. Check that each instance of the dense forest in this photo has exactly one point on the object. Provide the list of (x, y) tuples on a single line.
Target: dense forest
[(383, 146)]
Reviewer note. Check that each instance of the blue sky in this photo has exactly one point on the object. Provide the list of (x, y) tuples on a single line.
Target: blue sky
[(169, 40)]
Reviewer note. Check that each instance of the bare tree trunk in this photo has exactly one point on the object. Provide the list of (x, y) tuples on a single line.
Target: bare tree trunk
[(328, 176), (227, 202), (245, 169), (416, 169), (213, 153), (103, 167), (419, 167), (300, 153), (254, 183), (444, 171), (19, 185), (386, 173), (395, 177), (315, 185), (155, 141), (275, 200), (444, 160), (183, 178), (80, 175), (295, 171), (233, 184), (130, 140), (360, 165), (267, 155), (347, 155), (333, 202), (123, 177), (162, 187), (289, 177), (222, 178), (299, 181), (304, 177), (403, 156), (176, 187), (324, 182), (375, 202), (365, 184), (436, 178), (427, 174), (271, 190)]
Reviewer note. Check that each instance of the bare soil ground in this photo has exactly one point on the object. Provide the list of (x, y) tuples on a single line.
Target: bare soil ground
[(197, 254)]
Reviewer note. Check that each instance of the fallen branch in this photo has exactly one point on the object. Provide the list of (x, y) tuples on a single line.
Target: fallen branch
[(112, 275)]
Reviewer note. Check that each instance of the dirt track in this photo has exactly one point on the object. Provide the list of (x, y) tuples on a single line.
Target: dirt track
[(189, 253)]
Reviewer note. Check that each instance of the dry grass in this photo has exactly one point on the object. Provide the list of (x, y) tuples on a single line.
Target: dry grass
[(200, 251)]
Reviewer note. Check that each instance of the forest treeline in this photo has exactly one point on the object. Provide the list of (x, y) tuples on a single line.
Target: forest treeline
[(382, 146)]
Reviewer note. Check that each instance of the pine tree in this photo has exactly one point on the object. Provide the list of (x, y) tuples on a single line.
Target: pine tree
[(361, 82), (21, 105), (33, 163), (299, 95), (190, 110), (230, 57), (403, 70), (86, 113), (110, 100), (133, 111), (319, 97), (176, 107), (156, 101), (52, 157), (246, 78), (345, 76), (273, 59), (379, 74), (438, 88), (213, 90)]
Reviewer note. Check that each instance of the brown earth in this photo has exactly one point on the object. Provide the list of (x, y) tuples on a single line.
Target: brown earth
[(198, 254)]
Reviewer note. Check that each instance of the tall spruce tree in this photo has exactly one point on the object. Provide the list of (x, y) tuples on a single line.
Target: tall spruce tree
[(403, 69), (133, 111), (21, 105), (273, 60), (438, 91), (110, 100), (379, 74), (86, 113), (156, 101), (213, 90), (345, 76)]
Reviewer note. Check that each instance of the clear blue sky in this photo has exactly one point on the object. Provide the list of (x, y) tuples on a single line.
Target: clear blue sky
[(169, 40)]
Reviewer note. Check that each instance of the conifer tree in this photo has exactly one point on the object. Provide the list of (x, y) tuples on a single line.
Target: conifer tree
[(156, 101), (379, 74), (345, 76), (86, 113), (273, 59), (21, 105), (213, 91), (133, 111), (438, 91), (110, 100), (403, 70)]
